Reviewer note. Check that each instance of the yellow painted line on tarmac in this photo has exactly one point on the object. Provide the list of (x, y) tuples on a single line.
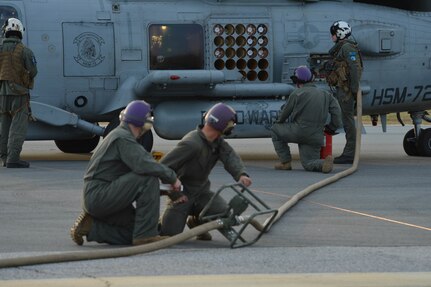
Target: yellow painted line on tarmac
[(55, 156), (354, 212), (243, 280)]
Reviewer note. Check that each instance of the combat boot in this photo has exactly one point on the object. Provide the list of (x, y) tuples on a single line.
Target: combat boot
[(81, 228), (192, 222), (18, 164), (283, 166), (343, 159), (328, 164), (146, 240)]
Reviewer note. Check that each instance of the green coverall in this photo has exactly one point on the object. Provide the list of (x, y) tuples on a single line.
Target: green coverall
[(306, 112), (346, 50), (121, 172), (193, 159), (14, 100)]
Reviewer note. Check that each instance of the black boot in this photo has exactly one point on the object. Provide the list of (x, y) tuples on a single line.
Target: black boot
[(343, 159), (18, 164), (192, 222)]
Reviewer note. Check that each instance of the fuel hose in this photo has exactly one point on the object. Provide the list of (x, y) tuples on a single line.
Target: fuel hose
[(303, 193), (111, 252), (212, 225)]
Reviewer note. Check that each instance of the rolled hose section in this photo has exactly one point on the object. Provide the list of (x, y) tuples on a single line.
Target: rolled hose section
[(113, 252), (303, 193)]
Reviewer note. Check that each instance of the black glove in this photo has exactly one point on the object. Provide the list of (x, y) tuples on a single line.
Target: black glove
[(330, 131)]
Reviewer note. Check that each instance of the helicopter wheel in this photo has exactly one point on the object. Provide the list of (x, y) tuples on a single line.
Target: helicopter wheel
[(146, 140), (409, 143), (78, 146), (424, 145)]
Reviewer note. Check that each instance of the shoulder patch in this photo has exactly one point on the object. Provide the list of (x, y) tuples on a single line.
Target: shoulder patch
[(352, 56)]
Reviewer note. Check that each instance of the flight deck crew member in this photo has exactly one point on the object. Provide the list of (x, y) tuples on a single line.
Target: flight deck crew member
[(302, 120), (17, 72), (193, 159), (345, 78), (122, 173)]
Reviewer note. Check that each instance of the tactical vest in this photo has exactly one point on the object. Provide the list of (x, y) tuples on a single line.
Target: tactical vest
[(338, 74), (12, 68)]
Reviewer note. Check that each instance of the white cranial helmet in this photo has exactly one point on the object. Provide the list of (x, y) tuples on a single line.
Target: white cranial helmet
[(341, 30), (13, 24)]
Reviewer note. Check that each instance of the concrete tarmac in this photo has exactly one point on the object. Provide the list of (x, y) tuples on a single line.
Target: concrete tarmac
[(369, 229)]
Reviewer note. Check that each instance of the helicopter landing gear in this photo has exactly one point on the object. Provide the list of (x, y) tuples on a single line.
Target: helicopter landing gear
[(78, 146), (417, 141), (424, 144)]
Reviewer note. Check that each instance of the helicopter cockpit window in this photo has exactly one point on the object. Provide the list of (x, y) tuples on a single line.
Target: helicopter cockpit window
[(176, 47), (7, 12)]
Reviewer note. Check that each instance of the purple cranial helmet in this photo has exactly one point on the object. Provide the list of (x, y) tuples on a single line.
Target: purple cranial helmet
[(137, 113), (302, 75), (222, 118)]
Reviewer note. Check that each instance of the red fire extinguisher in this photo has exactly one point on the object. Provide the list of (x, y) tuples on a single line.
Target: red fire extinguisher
[(326, 149)]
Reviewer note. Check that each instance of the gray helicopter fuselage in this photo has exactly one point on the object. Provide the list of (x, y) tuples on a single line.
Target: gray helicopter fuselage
[(94, 57)]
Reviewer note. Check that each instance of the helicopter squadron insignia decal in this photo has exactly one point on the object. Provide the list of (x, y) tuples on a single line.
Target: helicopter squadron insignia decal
[(89, 49)]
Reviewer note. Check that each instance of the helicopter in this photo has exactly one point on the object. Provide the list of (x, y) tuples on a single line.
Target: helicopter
[(94, 57)]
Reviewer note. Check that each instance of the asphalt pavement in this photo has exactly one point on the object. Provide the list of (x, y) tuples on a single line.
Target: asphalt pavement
[(371, 228)]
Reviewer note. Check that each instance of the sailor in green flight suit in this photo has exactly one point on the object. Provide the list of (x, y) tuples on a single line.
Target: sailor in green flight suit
[(302, 120), (122, 173), (193, 159), (17, 71), (345, 78)]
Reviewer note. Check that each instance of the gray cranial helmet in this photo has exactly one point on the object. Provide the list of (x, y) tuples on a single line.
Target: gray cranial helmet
[(302, 75), (341, 30), (222, 118), (136, 113)]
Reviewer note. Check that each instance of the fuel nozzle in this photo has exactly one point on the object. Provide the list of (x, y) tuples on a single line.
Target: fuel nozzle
[(237, 205), (240, 219)]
